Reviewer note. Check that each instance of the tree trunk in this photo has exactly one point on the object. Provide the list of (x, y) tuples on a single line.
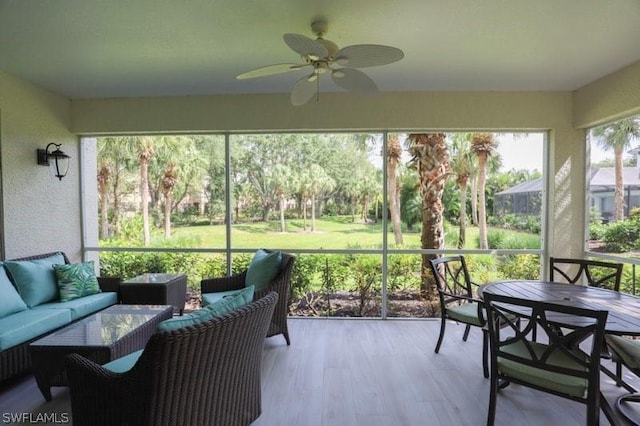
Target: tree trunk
[(462, 233), (167, 215), (432, 160), (619, 183), (474, 201), (144, 194), (304, 213), (392, 195), (313, 212), (281, 205), (482, 207)]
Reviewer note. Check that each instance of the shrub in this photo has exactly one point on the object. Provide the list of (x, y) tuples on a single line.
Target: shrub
[(622, 236)]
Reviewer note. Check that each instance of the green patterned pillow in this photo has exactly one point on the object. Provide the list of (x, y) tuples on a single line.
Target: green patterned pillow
[(76, 280)]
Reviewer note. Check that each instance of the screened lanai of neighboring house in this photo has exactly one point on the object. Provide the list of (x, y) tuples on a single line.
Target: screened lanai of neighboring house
[(525, 198)]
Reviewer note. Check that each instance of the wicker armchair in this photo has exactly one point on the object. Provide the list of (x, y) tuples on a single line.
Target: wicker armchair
[(207, 374), (280, 285)]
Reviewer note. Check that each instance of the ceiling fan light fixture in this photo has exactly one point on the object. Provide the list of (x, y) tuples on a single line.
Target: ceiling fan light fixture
[(322, 55)]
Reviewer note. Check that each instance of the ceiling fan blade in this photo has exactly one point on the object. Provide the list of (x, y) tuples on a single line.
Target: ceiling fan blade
[(270, 70), (305, 46), (367, 55), (304, 90), (353, 80)]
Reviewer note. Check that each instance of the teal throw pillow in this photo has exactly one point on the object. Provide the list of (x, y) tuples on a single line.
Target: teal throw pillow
[(76, 280), (10, 301), (35, 279), (216, 309), (263, 268), (231, 302)]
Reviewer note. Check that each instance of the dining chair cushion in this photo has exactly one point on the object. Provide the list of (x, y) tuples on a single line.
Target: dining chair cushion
[(570, 385), (263, 268), (466, 313), (625, 348)]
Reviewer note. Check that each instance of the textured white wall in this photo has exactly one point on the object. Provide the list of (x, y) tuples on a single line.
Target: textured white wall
[(40, 213), (608, 99)]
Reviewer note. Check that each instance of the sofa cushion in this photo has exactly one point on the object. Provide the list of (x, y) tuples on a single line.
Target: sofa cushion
[(35, 280), (125, 363), (83, 306), (216, 309), (209, 298), (76, 280), (10, 301), (263, 269), (27, 325)]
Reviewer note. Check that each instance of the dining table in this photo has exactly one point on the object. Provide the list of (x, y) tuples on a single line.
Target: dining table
[(624, 309), (623, 317)]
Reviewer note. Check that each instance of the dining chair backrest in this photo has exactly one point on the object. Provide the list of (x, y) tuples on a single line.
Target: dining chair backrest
[(452, 277), (596, 273), (565, 364)]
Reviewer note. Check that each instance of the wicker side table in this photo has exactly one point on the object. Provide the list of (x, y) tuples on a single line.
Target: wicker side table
[(155, 289)]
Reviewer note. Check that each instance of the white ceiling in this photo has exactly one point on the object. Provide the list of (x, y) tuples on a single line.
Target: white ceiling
[(114, 48)]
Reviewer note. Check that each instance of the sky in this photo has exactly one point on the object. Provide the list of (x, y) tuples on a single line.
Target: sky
[(523, 152)]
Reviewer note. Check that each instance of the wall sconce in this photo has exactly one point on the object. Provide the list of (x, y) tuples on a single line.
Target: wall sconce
[(56, 159)]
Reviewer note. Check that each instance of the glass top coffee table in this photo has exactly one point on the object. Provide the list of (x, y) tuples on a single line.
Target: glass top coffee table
[(102, 337)]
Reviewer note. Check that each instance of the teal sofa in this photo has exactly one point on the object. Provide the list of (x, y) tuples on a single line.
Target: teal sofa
[(31, 306)]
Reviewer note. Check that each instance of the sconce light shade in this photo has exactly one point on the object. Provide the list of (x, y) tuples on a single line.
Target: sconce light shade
[(57, 160)]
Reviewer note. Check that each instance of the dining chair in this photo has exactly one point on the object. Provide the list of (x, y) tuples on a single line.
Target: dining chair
[(625, 351), (566, 365), (458, 302), (596, 273)]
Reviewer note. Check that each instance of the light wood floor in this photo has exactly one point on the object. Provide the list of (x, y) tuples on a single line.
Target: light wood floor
[(368, 372)]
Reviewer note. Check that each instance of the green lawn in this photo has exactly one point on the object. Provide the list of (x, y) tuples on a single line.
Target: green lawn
[(331, 233)]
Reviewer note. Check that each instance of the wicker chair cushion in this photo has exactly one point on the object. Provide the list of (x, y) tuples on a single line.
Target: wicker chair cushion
[(11, 301), (124, 363), (263, 269), (564, 383), (466, 313), (35, 279), (216, 309), (625, 348), (76, 280)]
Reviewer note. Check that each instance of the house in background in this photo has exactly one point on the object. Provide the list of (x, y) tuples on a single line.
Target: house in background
[(526, 198)]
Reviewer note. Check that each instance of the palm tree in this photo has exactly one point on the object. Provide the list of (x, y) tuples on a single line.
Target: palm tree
[(462, 161), (483, 145), (169, 181), (617, 136), (103, 193), (321, 182), (431, 158), (394, 153), (145, 152)]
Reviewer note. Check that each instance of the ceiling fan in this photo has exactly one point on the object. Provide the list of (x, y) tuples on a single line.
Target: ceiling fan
[(323, 56)]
